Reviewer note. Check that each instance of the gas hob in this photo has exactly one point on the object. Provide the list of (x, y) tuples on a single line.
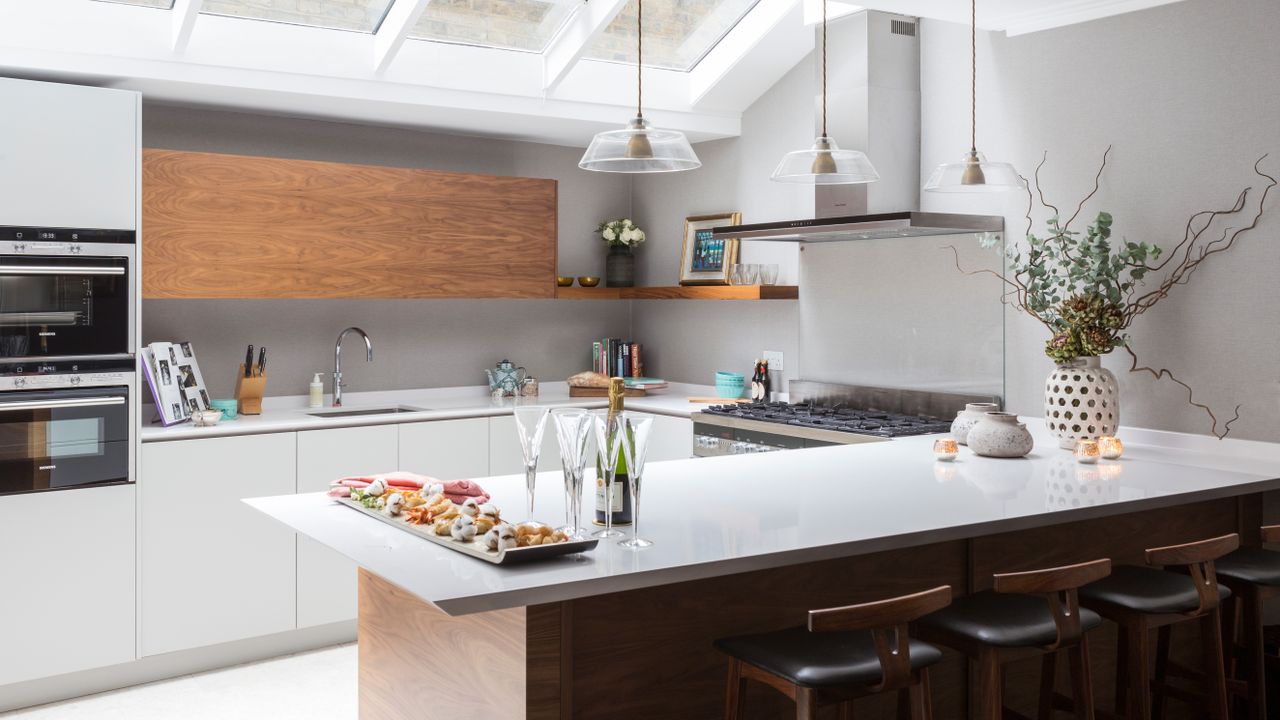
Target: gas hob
[(837, 418)]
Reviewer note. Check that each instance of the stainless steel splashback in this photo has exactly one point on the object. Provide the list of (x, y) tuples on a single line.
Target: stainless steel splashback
[(895, 400)]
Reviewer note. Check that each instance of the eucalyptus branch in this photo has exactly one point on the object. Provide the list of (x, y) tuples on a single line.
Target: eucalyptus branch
[(1165, 373)]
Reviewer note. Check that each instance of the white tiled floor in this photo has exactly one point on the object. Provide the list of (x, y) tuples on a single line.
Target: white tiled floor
[(319, 685)]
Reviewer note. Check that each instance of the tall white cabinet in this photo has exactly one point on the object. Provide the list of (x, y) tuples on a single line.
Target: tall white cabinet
[(69, 154)]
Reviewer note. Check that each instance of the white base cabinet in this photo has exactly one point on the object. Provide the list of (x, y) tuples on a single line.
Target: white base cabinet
[(670, 439), (446, 449), (67, 601), (505, 457), (327, 580), (214, 569)]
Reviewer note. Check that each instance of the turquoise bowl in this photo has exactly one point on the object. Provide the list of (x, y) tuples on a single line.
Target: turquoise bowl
[(228, 408), (729, 389)]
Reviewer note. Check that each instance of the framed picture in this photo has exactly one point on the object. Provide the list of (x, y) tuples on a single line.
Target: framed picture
[(705, 260)]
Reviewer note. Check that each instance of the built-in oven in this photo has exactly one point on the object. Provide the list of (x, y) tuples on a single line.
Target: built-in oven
[(66, 294), (69, 428)]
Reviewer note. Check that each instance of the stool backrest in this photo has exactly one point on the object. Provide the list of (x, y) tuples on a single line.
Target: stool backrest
[(1197, 558), (887, 620), (1271, 533), (1058, 586)]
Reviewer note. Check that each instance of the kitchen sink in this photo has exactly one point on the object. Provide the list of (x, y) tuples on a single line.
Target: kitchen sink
[(357, 412)]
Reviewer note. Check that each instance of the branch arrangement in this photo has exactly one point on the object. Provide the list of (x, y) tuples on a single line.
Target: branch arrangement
[(1087, 290)]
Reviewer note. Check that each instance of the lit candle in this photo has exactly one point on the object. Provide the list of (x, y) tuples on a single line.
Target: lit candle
[(945, 449), (1087, 451), (1110, 447)]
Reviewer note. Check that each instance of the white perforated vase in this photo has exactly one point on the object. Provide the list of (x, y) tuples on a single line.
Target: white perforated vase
[(1081, 401)]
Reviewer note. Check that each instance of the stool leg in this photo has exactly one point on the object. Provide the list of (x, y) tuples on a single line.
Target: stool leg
[(1252, 636), (1048, 666), (806, 704), (846, 710), (1121, 705), (1162, 671), (921, 704), (1139, 677), (989, 700), (1215, 678), (734, 688), (1081, 680)]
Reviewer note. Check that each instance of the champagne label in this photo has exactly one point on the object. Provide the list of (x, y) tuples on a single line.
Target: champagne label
[(616, 505)]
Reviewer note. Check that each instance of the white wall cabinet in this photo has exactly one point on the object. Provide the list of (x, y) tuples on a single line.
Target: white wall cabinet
[(67, 603), (446, 449), (326, 579), (70, 155), (212, 568)]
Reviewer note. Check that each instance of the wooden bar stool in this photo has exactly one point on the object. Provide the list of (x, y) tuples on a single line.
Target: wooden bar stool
[(1140, 599), (845, 653), (1024, 615), (1253, 575)]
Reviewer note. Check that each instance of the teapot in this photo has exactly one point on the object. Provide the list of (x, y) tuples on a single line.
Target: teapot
[(506, 377)]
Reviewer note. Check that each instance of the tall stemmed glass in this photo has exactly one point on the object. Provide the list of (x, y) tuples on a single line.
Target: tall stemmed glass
[(531, 422), (573, 431), (635, 447), (609, 432)]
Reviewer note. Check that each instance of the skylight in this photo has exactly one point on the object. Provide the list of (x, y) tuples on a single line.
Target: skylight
[(162, 4), (509, 24), (677, 33), (357, 15)]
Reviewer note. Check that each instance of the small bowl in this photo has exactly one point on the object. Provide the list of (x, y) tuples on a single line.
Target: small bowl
[(228, 408), (562, 281), (206, 418), (588, 281)]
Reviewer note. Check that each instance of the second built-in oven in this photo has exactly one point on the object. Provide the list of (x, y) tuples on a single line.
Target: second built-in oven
[(66, 293)]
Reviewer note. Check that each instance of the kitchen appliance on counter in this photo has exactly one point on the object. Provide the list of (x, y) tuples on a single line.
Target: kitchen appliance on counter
[(824, 414), (67, 424), (66, 293)]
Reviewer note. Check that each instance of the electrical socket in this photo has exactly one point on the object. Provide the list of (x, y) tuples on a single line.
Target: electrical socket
[(774, 358)]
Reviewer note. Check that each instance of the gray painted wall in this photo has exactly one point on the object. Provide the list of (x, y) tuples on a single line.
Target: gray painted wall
[(417, 343), (1188, 94)]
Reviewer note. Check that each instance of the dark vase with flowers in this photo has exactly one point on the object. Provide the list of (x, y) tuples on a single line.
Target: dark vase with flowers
[(620, 267)]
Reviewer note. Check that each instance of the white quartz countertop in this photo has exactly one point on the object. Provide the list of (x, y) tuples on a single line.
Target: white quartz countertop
[(723, 515), (289, 414)]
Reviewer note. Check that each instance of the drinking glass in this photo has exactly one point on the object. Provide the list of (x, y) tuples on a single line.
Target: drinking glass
[(749, 272), (609, 432), (635, 447), (573, 431), (531, 422), (735, 274), (769, 274)]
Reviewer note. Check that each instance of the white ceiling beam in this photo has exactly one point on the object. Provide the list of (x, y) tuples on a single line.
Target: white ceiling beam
[(567, 48), (185, 13), (400, 20)]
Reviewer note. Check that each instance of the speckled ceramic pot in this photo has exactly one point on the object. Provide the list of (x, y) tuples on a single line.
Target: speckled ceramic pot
[(967, 418), (999, 434)]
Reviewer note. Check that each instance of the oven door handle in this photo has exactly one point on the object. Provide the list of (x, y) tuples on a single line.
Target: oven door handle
[(61, 270), (17, 405)]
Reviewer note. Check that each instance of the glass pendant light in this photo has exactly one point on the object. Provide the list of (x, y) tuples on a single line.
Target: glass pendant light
[(974, 173), (825, 163), (639, 148)]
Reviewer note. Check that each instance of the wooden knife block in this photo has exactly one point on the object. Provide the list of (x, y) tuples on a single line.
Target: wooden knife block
[(249, 391)]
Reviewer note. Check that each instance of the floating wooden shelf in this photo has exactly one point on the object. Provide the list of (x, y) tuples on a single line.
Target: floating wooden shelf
[(682, 292)]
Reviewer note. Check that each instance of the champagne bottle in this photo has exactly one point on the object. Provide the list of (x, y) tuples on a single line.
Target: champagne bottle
[(619, 505)]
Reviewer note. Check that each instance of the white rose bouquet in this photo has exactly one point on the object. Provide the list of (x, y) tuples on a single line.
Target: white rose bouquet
[(621, 232)]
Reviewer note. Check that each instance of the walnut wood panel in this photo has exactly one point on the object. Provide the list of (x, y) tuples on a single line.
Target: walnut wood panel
[(417, 662), (685, 292), (230, 226)]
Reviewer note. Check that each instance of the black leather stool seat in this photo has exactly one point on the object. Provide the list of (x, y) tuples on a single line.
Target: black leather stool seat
[(816, 660), (1250, 565), (1147, 590), (1003, 619)]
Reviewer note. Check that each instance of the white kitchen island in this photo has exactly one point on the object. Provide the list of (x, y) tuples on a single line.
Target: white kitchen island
[(748, 543)]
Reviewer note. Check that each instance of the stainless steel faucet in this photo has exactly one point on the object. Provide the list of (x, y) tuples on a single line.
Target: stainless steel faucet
[(337, 361)]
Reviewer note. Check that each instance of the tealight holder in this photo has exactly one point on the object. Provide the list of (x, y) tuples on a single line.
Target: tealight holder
[(1110, 447), (945, 449), (1087, 452)]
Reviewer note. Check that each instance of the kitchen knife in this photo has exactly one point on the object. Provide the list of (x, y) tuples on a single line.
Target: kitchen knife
[(262, 361), (248, 362)]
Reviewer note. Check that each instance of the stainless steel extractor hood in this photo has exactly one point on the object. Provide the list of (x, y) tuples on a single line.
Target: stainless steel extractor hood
[(863, 227)]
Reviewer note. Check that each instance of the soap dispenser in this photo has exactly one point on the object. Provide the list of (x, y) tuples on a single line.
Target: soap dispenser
[(317, 391)]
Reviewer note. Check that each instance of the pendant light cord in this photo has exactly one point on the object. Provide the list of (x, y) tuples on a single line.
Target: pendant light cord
[(973, 76), (824, 68), (639, 58)]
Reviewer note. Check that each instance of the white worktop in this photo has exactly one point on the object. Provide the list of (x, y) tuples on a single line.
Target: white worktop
[(716, 516), (289, 414)]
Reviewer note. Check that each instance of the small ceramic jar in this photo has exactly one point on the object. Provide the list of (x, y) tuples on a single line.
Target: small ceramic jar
[(999, 434), (967, 418)]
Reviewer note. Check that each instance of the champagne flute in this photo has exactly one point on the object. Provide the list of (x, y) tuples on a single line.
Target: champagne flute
[(609, 433), (531, 422), (635, 447), (573, 432)]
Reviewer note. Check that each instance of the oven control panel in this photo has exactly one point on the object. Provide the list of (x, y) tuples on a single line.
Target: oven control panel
[(62, 382)]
